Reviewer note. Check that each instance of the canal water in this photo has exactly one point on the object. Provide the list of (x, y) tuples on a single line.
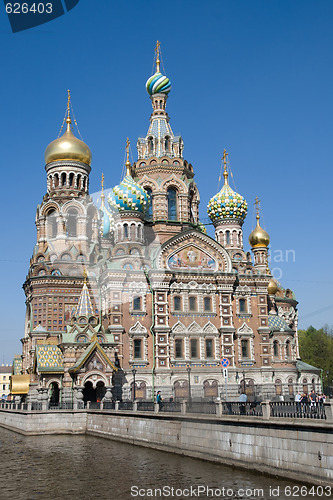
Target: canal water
[(86, 467)]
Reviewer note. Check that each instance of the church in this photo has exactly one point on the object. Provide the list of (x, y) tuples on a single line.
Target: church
[(128, 295)]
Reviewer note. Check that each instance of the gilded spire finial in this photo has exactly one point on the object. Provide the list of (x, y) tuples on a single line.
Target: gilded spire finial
[(225, 173), (128, 163), (102, 195), (68, 120), (85, 275), (257, 205), (157, 50)]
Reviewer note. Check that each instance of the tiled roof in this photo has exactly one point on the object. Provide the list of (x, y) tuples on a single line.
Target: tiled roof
[(49, 359), (278, 324)]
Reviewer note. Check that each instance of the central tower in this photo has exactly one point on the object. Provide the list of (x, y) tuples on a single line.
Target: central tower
[(161, 168)]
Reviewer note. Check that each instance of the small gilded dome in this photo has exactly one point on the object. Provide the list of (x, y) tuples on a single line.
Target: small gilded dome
[(259, 237), (272, 287), (128, 195), (158, 84), (68, 147), (227, 204)]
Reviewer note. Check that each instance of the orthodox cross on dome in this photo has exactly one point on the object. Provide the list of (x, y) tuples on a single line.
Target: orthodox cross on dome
[(225, 173), (157, 50), (128, 163), (257, 205), (68, 103)]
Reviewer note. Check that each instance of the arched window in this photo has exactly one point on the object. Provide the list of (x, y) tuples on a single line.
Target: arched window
[(52, 223), (194, 348), (227, 237), (150, 145), (245, 348), (167, 144), (287, 349), (207, 304), (126, 231), (192, 303), (276, 348), (72, 222), (290, 386), (172, 204), (278, 387), (242, 306), (177, 303), (71, 179), (149, 213)]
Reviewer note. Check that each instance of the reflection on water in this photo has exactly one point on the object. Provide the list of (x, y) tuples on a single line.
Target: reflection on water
[(86, 467)]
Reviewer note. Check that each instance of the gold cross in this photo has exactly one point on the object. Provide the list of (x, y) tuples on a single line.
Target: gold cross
[(225, 173), (157, 50), (68, 100), (257, 205), (102, 182), (128, 142)]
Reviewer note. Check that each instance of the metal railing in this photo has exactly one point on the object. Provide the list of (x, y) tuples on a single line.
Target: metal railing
[(208, 407), (239, 408), (297, 410), (266, 409)]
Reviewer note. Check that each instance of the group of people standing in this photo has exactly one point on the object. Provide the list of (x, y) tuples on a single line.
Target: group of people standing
[(309, 402)]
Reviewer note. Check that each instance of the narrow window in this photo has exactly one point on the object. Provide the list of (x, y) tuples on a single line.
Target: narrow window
[(287, 348), (242, 306), (72, 223), (227, 234), (125, 231), (150, 145), (207, 304), (276, 348), (167, 144), (245, 348), (209, 348), (177, 303), (172, 204), (137, 349), (149, 213), (193, 303), (52, 223), (178, 348), (194, 348), (137, 304)]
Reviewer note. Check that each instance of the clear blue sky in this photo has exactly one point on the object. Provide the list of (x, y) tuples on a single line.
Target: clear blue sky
[(254, 77)]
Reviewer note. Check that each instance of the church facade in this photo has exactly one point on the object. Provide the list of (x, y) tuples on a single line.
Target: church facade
[(130, 295)]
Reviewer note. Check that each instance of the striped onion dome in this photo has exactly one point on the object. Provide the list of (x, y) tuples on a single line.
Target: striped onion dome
[(158, 84)]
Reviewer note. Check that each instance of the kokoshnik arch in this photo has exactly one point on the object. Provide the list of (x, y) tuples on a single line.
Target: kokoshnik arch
[(161, 302)]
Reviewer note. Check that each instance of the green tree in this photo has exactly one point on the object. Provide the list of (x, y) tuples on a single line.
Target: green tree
[(316, 348)]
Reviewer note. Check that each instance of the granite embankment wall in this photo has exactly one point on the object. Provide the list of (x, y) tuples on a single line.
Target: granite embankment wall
[(299, 450)]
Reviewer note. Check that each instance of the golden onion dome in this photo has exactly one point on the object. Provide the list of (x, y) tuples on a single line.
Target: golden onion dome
[(272, 287), (259, 237), (68, 147)]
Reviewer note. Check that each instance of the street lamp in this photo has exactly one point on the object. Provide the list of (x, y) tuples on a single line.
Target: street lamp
[(188, 369), (134, 373), (244, 390)]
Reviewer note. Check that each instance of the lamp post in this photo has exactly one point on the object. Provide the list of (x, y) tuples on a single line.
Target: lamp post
[(134, 373), (188, 369)]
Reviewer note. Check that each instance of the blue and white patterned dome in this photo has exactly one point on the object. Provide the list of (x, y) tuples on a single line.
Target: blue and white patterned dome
[(128, 195)]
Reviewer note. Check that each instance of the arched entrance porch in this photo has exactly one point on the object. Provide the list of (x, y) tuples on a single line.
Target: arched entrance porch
[(93, 394)]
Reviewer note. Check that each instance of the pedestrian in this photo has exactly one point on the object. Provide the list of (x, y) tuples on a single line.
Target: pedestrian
[(313, 401), (159, 400), (242, 403), (298, 398)]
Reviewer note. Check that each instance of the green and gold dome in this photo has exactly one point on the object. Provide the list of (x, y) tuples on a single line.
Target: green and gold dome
[(227, 204)]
